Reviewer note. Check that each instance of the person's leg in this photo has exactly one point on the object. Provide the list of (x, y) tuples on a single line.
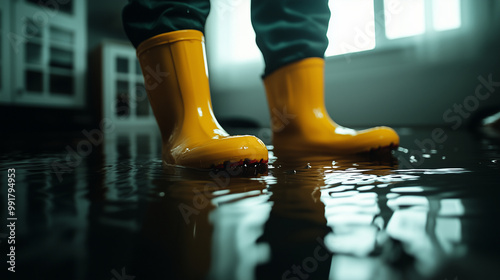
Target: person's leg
[(290, 30), (170, 49), (291, 35), (143, 19)]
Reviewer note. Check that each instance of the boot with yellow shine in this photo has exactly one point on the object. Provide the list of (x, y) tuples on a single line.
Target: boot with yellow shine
[(176, 80), (300, 122)]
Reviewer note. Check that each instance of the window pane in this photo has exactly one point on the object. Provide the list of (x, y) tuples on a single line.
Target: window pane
[(122, 99), (61, 58), (446, 14), (352, 26), (404, 18), (60, 35), (121, 65), (33, 53), (32, 29), (141, 100), (34, 81), (61, 84)]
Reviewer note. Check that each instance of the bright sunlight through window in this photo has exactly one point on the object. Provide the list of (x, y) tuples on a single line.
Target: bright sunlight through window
[(446, 14), (352, 26), (408, 18)]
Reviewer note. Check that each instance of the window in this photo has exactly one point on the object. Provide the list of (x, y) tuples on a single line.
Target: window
[(353, 24), (446, 14), (404, 18)]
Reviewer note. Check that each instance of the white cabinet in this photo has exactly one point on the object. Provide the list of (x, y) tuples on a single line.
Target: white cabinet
[(45, 54), (123, 95)]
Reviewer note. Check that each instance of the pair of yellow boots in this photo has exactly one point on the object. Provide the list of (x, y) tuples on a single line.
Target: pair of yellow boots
[(192, 137)]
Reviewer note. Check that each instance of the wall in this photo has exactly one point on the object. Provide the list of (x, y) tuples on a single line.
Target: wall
[(413, 84), (104, 22)]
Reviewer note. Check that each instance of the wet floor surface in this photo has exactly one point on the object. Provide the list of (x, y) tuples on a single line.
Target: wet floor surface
[(109, 210)]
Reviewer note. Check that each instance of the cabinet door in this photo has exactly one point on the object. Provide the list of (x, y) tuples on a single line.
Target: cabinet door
[(49, 53), (124, 95)]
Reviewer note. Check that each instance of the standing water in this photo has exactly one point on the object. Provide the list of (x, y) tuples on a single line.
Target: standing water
[(113, 212)]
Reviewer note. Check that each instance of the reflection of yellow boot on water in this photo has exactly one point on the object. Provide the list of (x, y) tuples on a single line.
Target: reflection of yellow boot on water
[(176, 80), (300, 121)]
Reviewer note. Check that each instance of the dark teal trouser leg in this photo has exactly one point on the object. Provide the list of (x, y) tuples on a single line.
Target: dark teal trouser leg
[(287, 30), (143, 19), (290, 30)]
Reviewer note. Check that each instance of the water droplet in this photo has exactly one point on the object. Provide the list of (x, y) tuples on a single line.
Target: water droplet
[(413, 159), (401, 149)]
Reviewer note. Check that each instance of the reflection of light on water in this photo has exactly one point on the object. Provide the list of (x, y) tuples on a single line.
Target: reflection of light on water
[(358, 241), (407, 189), (235, 235), (220, 192), (350, 267), (341, 188), (409, 226), (344, 194), (366, 188), (428, 229), (451, 207), (433, 171), (356, 177), (426, 232), (408, 201), (240, 199), (448, 232), (341, 180)]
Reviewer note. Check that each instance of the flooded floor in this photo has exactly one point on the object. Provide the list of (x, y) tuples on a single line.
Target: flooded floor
[(107, 209)]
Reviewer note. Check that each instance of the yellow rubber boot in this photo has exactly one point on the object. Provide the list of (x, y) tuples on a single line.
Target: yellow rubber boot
[(176, 80), (300, 122)]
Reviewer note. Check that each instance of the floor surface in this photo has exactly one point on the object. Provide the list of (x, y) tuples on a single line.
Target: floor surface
[(107, 209)]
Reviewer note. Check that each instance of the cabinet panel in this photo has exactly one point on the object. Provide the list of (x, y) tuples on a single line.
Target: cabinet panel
[(47, 53), (123, 94)]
